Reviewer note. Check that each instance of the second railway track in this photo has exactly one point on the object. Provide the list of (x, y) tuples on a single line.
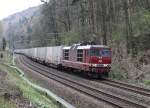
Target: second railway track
[(112, 99), (125, 86)]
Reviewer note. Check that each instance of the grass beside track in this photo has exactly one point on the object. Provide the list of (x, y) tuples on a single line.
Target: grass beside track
[(29, 93), (6, 104)]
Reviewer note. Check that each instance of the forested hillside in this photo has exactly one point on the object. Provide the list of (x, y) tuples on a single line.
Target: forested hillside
[(18, 28), (124, 25)]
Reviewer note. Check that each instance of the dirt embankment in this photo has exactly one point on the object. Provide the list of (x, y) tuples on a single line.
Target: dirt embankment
[(146, 58), (12, 94)]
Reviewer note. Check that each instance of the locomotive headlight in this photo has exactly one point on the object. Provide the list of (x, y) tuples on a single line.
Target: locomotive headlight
[(105, 65), (94, 65), (100, 65), (97, 65)]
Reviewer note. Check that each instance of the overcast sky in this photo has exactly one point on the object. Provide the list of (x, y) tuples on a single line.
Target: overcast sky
[(8, 7)]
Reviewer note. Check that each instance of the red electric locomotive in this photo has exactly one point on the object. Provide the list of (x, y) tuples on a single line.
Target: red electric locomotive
[(94, 60)]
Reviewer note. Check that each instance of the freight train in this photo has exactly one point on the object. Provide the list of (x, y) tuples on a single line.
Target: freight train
[(92, 60)]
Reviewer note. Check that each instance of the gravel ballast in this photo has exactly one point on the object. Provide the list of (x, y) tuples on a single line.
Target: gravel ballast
[(74, 97)]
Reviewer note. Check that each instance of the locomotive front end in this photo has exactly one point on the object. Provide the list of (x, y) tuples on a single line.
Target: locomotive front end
[(100, 60)]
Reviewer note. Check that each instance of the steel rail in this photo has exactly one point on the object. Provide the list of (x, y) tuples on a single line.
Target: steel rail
[(125, 86), (112, 99)]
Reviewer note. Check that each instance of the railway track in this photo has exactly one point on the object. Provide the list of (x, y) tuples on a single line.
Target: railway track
[(128, 87), (112, 99)]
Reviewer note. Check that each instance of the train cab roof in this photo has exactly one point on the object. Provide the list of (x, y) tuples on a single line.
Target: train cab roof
[(92, 46), (85, 47), (66, 48)]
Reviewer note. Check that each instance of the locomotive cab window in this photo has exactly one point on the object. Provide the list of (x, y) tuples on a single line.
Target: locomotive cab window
[(66, 54), (80, 55), (95, 52), (103, 52)]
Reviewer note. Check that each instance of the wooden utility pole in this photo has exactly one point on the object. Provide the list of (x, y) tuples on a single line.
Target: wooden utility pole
[(104, 24), (129, 31)]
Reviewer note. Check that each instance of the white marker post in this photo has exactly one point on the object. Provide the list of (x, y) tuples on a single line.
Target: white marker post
[(13, 60)]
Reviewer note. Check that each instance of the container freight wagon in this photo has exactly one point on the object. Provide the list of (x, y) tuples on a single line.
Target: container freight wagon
[(41, 54), (30, 52), (54, 56), (34, 54)]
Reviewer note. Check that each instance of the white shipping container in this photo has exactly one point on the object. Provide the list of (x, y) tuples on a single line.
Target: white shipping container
[(25, 51), (30, 52), (41, 53), (54, 55), (34, 52)]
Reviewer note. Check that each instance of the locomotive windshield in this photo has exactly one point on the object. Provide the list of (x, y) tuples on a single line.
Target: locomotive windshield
[(102, 52)]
